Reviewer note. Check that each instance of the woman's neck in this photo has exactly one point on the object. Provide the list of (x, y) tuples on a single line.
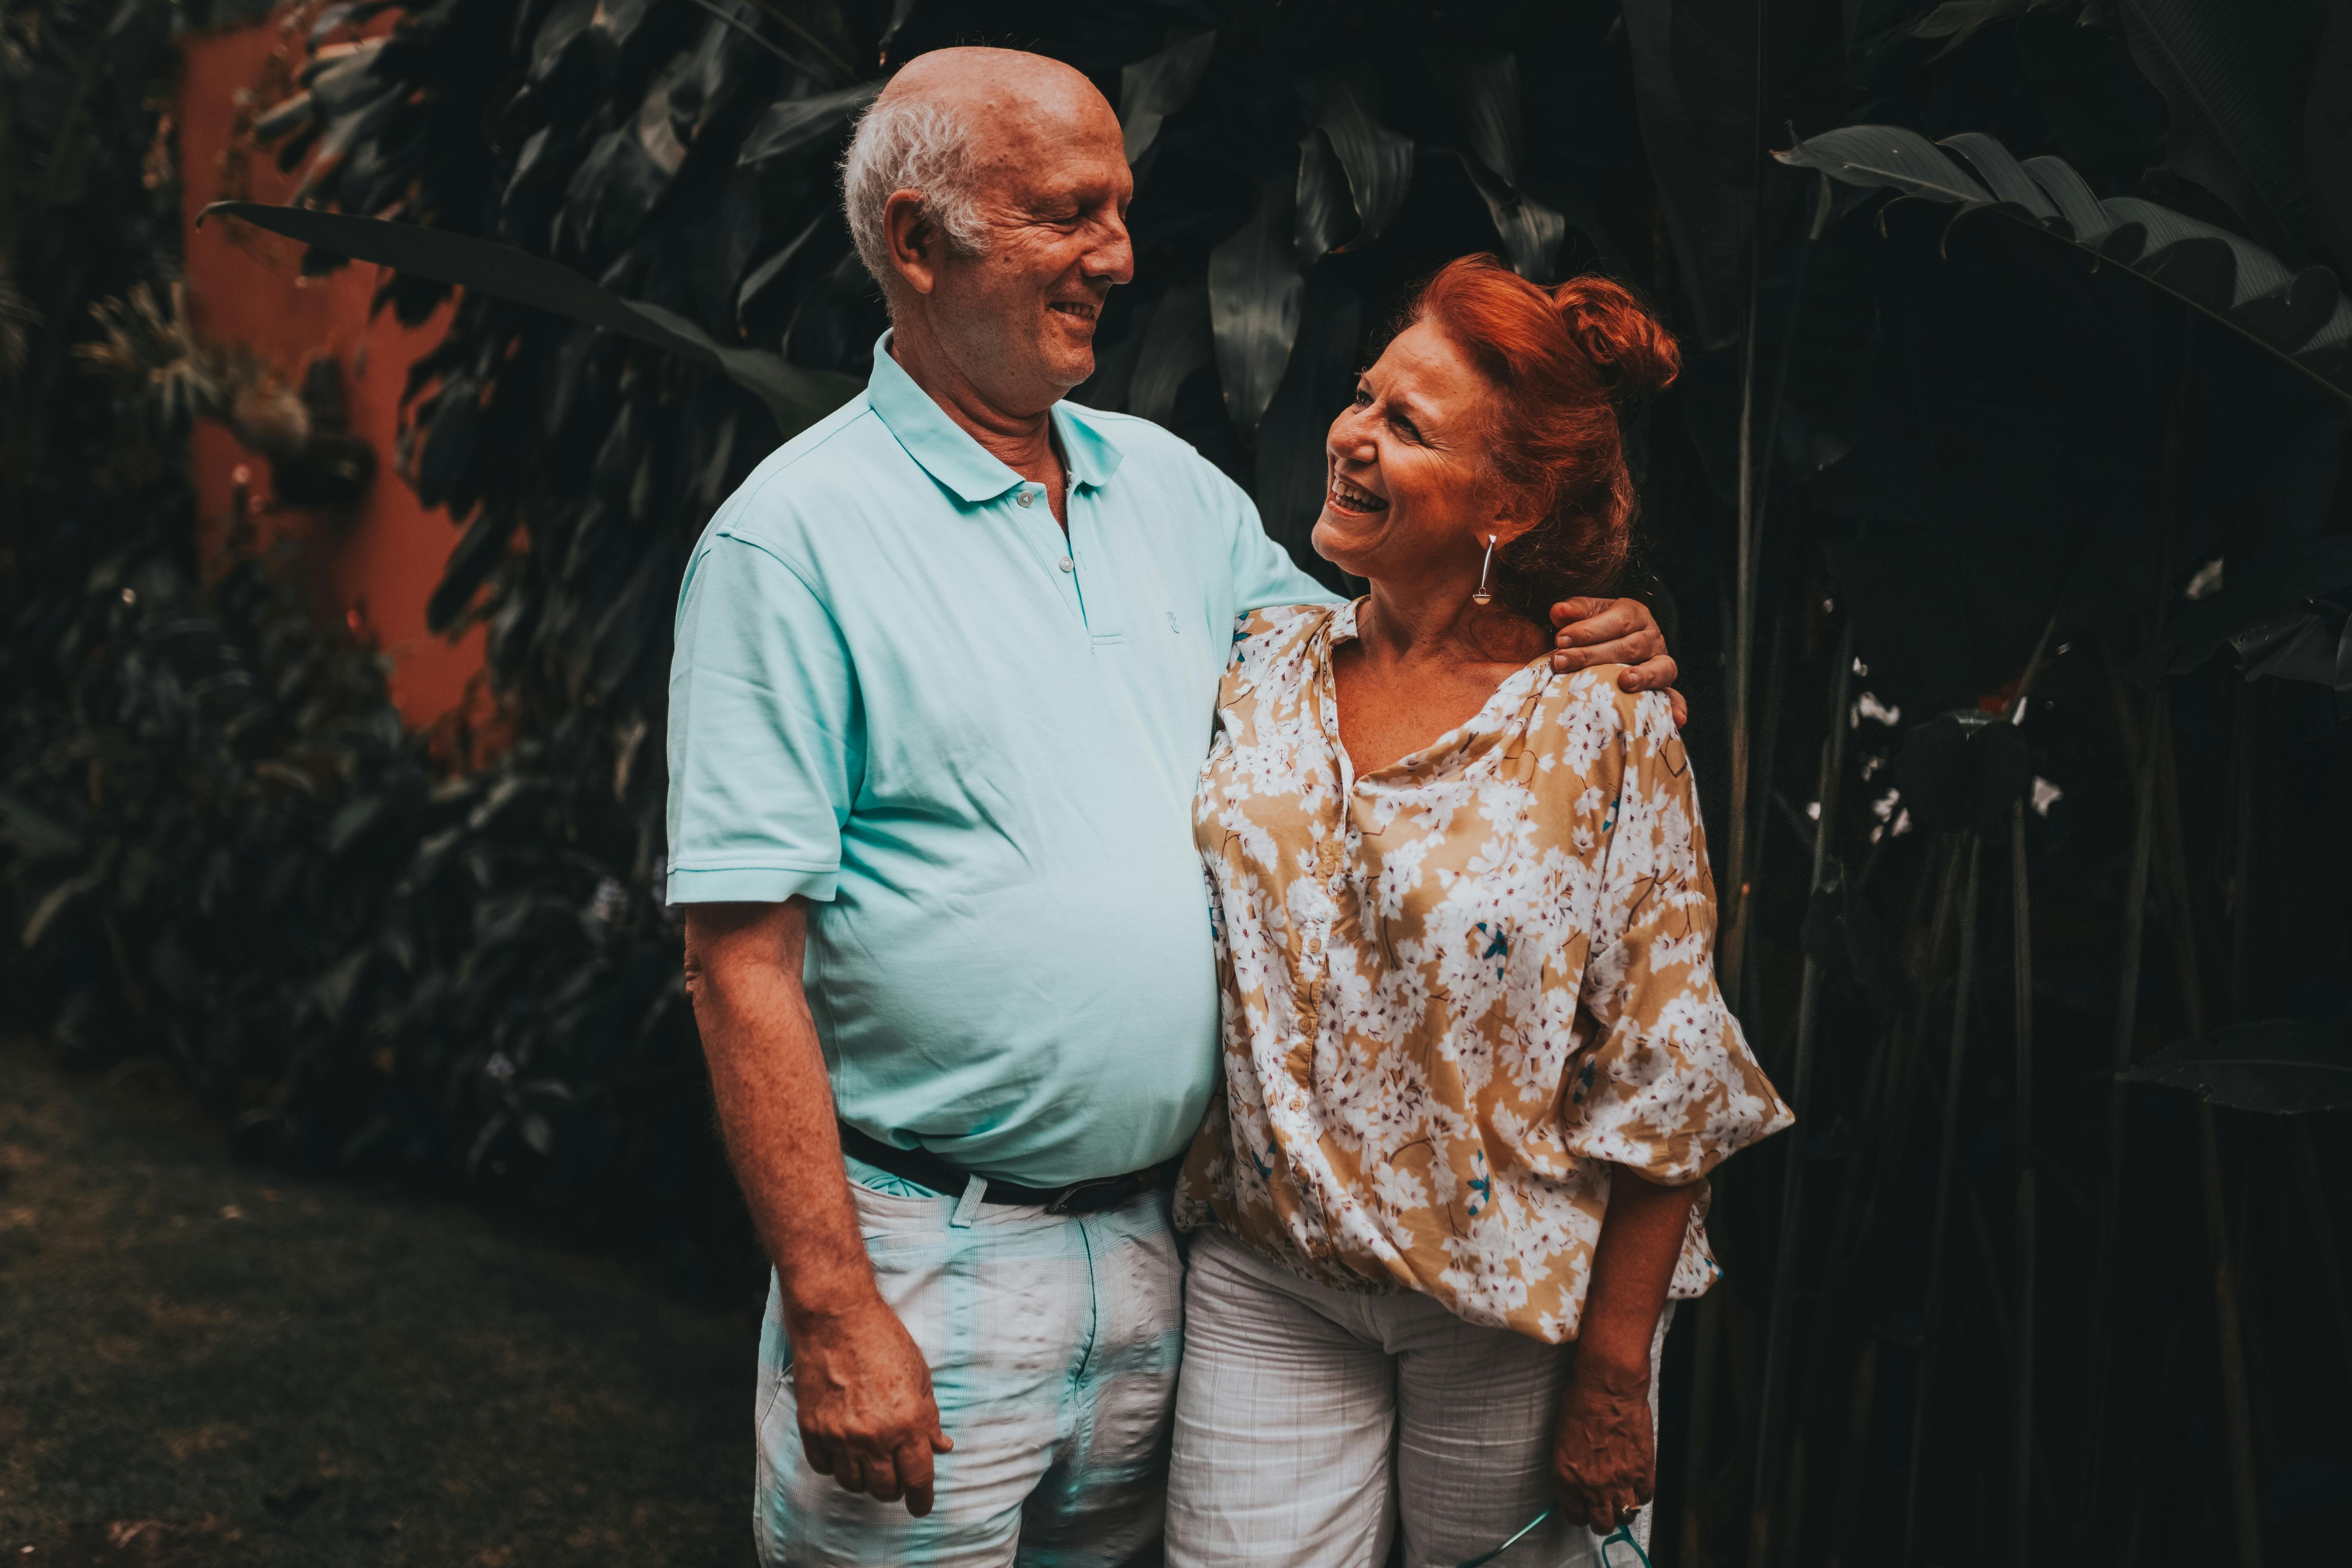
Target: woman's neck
[(1440, 623)]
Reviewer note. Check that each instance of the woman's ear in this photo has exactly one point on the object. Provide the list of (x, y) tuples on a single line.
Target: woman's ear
[(1506, 528)]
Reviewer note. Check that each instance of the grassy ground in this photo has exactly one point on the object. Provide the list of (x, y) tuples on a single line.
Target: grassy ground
[(201, 1363)]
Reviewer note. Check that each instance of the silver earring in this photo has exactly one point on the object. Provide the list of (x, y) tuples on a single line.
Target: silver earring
[(1482, 596)]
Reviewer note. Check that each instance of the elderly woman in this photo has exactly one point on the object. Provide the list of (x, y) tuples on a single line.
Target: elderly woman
[(1476, 1065)]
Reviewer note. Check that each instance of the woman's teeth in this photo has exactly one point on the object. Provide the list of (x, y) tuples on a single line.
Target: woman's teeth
[(1349, 497)]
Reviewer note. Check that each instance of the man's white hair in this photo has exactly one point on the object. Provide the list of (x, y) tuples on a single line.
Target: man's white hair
[(910, 146)]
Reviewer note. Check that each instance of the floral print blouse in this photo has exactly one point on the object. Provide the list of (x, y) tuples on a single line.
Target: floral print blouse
[(1457, 989)]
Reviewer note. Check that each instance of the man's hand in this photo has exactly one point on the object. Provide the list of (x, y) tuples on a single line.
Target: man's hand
[(1604, 1451), (1616, 631), (867, 1413)]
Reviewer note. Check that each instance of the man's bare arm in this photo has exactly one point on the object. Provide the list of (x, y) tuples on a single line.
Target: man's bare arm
[(863, 1392)]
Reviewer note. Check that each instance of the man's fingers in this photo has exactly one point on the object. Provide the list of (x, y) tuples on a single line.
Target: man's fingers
[(1608, 624), (1655, 673), (1578, 609), (913, 1463), (1682, 709), (879, 1478)]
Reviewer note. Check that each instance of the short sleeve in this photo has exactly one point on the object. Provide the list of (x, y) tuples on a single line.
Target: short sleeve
[(1264, 573), (766, 738), (1665, 1083)]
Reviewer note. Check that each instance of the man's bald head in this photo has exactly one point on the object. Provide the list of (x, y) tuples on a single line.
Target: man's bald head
[(952, 122)]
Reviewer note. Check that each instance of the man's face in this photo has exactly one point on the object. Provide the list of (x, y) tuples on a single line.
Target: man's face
[(1020, 317)]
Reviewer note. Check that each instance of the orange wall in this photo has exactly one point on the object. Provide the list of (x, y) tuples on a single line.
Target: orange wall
[(377, 566)]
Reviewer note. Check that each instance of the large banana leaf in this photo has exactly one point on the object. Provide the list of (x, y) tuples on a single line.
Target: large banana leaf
[(1530, 231), (1152, 89), (2282, 1066), (792, 125), (1378, 162), (1694, 89), (2301, 317), (1255, 294), (797, 398), (2232, 75)]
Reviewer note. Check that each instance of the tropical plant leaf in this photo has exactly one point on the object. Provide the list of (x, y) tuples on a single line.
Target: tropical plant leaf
[(2278, 583), (1695, 92), (1255, 291), (2300, 319), (1956, 21), (2235, 84), (1531, 232), (793, 125), (2313, 645), (1153, 88), (1378, 162), (2327, 135), (1324, 212), (796, 397), (1291, 469), (2281, 1066), (35, 834), (1177, 342)]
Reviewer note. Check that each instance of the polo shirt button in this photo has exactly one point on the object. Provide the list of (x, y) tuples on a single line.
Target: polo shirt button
[(1066, 564), (1024, 497)]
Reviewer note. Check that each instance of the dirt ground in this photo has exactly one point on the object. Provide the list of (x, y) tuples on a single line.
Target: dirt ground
[(202, 1364)]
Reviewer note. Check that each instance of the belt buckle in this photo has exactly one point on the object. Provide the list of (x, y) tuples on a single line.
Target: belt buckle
[(1061, 1204)]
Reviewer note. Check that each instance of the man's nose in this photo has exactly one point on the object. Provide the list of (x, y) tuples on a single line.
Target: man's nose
[(1112, 255)]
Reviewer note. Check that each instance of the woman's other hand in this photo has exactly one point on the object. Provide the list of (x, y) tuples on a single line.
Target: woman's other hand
[(1604, 1451), (1616, 631)]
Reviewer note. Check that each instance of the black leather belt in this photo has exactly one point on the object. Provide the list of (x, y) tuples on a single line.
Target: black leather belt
[(926, 1169)]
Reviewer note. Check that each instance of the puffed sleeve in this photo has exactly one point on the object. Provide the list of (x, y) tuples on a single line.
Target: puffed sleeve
[(1665, 1083)]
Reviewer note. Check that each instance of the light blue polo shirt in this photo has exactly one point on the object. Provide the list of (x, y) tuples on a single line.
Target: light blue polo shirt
[(901, 693)]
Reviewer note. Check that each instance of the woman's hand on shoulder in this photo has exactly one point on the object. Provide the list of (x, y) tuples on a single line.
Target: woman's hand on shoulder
[(1616, 631)]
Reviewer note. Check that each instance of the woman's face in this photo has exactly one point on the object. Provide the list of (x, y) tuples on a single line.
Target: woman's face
[(1410, 491)]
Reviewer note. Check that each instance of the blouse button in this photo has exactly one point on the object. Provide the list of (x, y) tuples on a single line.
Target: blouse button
[(1066, 564), (1024, 497)]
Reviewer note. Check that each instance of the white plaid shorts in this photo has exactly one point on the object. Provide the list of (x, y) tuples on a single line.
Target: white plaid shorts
[(1053, 1342)]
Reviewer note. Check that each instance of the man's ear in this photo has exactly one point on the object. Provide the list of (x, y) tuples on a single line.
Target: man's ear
[(912, 240)]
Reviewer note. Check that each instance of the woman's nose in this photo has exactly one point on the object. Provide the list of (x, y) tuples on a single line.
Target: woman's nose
[(1349, 441)]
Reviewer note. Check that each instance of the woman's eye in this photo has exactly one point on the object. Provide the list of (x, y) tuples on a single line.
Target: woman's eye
[(1363, 398)]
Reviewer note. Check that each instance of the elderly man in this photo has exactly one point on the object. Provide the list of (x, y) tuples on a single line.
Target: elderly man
[(945, 672)]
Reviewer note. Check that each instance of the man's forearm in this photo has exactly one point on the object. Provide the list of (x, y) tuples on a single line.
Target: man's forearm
[(775, 1103)]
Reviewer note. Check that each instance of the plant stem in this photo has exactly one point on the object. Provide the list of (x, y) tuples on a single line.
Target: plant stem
[(1771, 1412), (2110, 1196), (2022, 1436), (1963, 983)]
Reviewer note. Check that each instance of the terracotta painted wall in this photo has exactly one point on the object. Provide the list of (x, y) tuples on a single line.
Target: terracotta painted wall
[(379, 564)]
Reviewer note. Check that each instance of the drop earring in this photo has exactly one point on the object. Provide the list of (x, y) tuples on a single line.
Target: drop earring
[(1482, 596)]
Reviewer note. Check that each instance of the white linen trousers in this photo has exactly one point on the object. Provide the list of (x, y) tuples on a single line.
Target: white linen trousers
[(1311, 1424)]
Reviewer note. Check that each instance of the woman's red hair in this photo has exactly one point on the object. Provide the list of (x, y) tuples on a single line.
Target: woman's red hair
[(1562, 362)]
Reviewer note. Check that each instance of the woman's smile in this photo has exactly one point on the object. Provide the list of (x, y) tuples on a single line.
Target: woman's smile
[(1353, 500)]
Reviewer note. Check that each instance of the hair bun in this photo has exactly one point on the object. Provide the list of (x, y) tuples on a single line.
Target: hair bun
[(1618, 333)]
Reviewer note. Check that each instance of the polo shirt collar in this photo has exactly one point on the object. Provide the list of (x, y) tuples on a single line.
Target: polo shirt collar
[(950, 454)]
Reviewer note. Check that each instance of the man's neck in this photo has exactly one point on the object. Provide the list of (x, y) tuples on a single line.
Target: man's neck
[(1022, 442)]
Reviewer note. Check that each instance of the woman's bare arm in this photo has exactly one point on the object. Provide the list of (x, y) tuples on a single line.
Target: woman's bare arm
[(1605, 1448)]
